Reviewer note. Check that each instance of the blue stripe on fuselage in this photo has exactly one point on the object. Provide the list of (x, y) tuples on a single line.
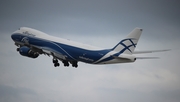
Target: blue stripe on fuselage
[(72, 53), (84, 55)]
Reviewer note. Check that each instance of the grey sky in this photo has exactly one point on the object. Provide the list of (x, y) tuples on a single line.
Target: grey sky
[(101, 23)]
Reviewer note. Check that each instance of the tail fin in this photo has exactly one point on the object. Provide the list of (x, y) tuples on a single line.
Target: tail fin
[(128, 44)]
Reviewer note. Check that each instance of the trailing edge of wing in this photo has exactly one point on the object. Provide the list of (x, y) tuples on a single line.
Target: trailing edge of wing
[(150, 51)]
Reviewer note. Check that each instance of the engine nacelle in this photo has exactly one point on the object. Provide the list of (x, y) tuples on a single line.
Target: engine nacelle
[(26, 51)]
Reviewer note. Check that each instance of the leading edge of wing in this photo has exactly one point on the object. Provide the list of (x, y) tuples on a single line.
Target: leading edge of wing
[(150, 51)]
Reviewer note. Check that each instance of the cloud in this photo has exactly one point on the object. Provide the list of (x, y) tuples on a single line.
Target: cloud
[(15, 93)]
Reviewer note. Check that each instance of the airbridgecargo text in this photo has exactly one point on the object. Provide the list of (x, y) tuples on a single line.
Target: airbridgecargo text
[(84, 58)]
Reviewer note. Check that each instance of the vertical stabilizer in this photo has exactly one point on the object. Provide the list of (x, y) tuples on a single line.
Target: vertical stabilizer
[(128, 44)]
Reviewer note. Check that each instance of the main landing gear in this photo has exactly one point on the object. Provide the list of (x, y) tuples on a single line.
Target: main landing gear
[(65, 62), (56, 64), (74, 64)]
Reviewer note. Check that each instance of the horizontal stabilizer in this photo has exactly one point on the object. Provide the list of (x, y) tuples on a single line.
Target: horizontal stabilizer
[(150, 51), (147, 57)]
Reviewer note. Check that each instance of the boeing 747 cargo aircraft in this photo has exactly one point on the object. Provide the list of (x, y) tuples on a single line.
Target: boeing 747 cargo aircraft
[(32, 43)]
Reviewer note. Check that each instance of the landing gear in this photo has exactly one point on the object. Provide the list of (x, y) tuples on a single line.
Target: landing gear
[(66, 64), (17, 49), (55, 61), (74, 64), (56, 64)]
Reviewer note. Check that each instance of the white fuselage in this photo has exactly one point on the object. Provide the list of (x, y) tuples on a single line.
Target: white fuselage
[(69, 50)]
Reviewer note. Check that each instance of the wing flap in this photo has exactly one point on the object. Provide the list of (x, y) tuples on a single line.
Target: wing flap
[(48, 51)]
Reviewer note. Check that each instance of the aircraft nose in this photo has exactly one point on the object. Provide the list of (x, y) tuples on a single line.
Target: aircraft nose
[(13, 36)]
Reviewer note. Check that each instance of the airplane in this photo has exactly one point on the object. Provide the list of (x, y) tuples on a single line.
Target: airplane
[(32, 43)]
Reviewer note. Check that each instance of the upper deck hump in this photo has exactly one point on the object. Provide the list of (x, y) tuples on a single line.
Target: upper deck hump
[(42, 35), (33, 31)]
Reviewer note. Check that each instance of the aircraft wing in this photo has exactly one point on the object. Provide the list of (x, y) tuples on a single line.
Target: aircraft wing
[(150, 51), (49, 51)]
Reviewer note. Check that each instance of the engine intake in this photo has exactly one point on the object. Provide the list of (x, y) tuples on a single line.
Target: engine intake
[(26, 51)]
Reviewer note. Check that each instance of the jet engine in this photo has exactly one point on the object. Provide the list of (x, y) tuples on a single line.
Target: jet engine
[(26, 51)]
